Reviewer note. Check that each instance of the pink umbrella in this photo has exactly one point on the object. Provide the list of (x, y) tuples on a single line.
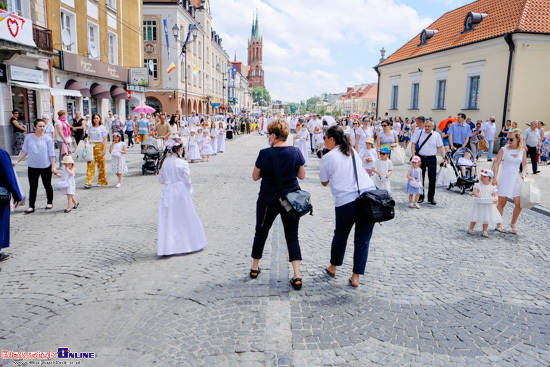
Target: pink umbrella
[(144, 108)]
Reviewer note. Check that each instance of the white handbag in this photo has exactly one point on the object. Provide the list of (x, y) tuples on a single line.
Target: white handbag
[(529, 195), (398, 156), (89, 148)]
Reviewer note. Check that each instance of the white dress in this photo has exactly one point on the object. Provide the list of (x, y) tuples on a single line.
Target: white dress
[(194, 151), (302, 144), (485, 213), (221, 140), (214, 140), (66, 177), (509, 184), (118, 163), (179, 227), (207, 146), (381, 182)]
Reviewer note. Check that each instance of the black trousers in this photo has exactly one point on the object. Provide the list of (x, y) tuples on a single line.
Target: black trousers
[(34, 174), (265, 215), (130, 135), (429, 163), (532, 153)]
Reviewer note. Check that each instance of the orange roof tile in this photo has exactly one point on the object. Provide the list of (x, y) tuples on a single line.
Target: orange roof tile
[(370, 91), (502, 17)]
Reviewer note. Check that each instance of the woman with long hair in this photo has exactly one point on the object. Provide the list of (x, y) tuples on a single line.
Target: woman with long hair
[(337, 168), (97, 136), (509, 186), (179, 227)]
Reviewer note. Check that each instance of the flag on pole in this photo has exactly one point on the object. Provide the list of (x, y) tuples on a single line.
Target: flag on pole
[(166, 34), (196, 70), (171, 67)]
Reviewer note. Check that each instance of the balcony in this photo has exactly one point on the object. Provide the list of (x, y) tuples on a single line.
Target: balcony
[(42, 37)]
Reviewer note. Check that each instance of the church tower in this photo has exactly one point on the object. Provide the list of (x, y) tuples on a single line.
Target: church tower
[(255, 44)]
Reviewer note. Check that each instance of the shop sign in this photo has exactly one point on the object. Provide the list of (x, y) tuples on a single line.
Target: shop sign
[(3, 73), (136, 88), (84, 65), (16, 29), (139, 76), (26, 75)]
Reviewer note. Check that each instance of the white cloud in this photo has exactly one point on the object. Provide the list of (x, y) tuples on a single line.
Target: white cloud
[(301, 36)]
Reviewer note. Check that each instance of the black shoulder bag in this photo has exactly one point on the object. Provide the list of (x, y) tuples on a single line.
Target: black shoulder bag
[(376, 205), (296, 203)]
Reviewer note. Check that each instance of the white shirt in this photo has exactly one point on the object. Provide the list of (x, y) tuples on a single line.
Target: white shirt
[(532, 137), (364, 154), (489, 128), (431, 146), (97, 134), (338, 169)]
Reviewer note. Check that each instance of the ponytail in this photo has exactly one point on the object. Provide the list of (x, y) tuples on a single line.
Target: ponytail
[(340, 139)]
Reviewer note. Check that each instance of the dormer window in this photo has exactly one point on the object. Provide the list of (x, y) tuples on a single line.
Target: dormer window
[(472, 20), (425, 35)]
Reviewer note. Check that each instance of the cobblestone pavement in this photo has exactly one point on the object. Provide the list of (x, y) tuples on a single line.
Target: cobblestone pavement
[(90, 280)]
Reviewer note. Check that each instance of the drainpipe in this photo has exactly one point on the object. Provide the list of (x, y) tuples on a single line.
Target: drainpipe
[(511, 48), (377, 90)]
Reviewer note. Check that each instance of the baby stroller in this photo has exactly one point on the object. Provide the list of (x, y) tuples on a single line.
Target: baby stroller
[(151, 155), (463, 183)]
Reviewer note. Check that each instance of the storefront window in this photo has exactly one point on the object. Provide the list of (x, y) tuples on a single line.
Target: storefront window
[(94, 105), (113, 106), (70, 109), (86, 107), (153, 102), (24, 101)]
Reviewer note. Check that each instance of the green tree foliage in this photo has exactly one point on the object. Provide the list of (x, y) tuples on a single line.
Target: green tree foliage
[(293, 107), (261, 95)]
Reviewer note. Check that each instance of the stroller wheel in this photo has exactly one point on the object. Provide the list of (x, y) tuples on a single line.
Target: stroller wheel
[(462, 190), (450, 186)]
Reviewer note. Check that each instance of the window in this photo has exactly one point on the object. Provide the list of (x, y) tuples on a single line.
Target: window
[(199, 46), (93, 41), (473, 92), (394, 95), (440, 94), (153, 102), (149, 30), (68, 27), (17, 7), (473, 84), (373, 104), (415, 88), (113, 48), (111, 4), (200, 79), (146, 65)]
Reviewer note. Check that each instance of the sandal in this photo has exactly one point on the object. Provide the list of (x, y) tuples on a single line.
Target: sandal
[(294, 281), (331, 273), (472, 232), (354, 282), (254, 273), (485, 234), (514, 229), (500, 229), (76, 206), (48, 207), (67, 210)]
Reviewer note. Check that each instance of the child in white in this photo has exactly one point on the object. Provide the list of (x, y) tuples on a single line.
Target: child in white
[(382, 169), (207, 150), (214, 138), (184, 132), (318, 139), (302, 135), (67, 184), (194, 151), (414, 185), (466, 163), (368, 156), (484, 209), (118, 161), (221, 138)]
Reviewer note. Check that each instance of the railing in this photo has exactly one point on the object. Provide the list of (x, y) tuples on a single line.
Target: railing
[(42, 37)]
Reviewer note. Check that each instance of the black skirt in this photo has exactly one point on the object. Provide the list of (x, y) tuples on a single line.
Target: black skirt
[(229, 135)]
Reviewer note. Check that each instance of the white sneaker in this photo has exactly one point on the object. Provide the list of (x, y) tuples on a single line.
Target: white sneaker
[(416, 206), (118, 185), (411, 205)]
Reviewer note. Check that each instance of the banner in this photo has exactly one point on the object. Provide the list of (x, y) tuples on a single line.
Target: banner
[(166, 34), (233, 71), (16, 29)]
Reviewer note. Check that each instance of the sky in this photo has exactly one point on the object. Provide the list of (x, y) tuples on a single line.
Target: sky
[(322, 46)]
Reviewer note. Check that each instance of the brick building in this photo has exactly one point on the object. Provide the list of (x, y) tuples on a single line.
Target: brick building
[(255, 71)]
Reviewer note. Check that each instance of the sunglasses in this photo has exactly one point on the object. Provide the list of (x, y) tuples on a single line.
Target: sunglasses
[(511, 139), (355, 123), (383, 153), (384, 125)]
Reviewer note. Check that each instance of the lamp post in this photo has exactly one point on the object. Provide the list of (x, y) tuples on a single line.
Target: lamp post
[(193, 30)]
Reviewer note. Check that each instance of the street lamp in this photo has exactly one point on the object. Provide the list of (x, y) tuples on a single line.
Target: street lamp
[(193, 30)]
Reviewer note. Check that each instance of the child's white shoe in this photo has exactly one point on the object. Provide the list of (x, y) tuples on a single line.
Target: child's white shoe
[(416, 206), (411, 205), (118, 185)]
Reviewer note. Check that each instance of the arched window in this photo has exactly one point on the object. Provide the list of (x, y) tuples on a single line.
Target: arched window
[(153, 102), (257, 71)]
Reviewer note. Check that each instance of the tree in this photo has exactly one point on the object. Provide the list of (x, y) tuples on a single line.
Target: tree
[(261, 95), (337, 112), (310, 104), (293, 107)]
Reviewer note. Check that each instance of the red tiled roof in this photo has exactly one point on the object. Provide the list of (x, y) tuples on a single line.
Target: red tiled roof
[(503, 16), (370, 91)]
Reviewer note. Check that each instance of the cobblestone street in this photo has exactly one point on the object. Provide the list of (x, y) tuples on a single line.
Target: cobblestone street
[(432, 295)]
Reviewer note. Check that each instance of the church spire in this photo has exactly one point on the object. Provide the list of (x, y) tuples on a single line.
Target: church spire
[(253, 28), (256, 26)]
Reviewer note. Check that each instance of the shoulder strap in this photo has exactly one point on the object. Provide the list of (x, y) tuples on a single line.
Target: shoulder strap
[(355, 171), (424, 142), (275, 163)]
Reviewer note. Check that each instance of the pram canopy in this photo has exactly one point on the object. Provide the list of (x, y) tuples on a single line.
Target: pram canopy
[(150, 146)]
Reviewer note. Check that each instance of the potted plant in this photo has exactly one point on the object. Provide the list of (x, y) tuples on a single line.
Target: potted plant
[(3, 7)]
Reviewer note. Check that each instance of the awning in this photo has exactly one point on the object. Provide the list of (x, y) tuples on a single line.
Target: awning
[(65, 92), (118, 93), (79, 86), (30, 85), (100, 91)]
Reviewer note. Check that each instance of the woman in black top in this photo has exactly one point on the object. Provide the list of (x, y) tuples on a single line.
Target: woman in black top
[(291, 165), (19, 131), (78, 128)]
